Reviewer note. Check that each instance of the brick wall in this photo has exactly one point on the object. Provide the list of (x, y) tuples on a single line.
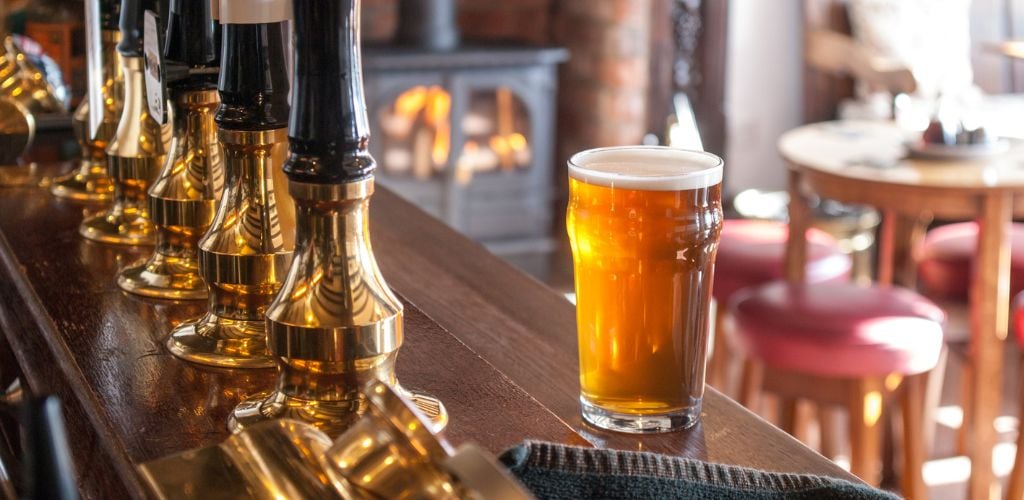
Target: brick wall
[(602, 89)]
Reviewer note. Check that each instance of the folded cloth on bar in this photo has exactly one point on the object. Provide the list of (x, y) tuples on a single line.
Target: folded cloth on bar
[(555, 471)]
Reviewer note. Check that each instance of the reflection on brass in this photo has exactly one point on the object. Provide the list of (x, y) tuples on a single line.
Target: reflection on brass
[(335, 325), (182, 203), (389, 453), (134, 157), (90, 182), (23, 82), (244, 257), (17, 129)]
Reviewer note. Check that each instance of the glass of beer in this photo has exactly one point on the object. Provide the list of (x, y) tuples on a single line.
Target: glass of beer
[(644, 224)]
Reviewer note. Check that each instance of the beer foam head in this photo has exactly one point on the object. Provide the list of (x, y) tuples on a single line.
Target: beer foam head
[(650, 168)]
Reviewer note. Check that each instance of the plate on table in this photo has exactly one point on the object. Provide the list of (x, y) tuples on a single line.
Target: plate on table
[(958, 152)]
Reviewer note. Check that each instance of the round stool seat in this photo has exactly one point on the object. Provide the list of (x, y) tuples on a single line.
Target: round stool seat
[(945, 260), (839, 329), (1018, 318), (752, 252)]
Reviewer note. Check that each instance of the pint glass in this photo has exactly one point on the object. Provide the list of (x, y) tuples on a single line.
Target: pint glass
[(644, 225)]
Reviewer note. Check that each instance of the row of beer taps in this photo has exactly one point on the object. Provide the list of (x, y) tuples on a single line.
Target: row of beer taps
[(256, 199)]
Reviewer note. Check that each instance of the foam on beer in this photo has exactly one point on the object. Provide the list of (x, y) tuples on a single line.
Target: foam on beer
[(650, 168)]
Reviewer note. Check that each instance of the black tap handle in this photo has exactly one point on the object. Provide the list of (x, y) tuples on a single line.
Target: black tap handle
[(190, 34), (110, 14), (49, 471), (254, 78), (329, 132), (131, 25)]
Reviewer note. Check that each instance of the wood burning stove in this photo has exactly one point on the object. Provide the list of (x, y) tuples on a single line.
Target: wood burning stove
[(467, 134)]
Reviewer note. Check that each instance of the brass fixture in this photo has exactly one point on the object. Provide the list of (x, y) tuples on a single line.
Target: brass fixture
[(89, 182), (25, 83), (134, 157), (335, 325), (388, 453), (182, 201), (17, 129), (244, 256)]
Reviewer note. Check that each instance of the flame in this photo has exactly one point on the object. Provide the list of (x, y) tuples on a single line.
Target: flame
[(434, 104)]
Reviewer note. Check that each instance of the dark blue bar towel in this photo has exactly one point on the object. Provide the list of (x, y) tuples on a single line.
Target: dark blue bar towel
[(555, 471)]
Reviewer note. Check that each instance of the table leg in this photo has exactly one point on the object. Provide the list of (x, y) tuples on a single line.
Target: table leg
[(799, 220), (990, 302), (886, 246)]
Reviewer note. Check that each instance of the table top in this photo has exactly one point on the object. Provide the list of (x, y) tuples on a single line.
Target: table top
[(496, 346), (876, 152)]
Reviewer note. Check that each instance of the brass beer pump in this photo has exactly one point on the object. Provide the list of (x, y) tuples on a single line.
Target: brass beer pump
[(245, 254), (90, 182), (182, 201), (335, 325), (390, 452), (24, 94), (138, 149)]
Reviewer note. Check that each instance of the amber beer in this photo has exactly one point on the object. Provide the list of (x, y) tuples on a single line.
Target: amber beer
[(644, 224)]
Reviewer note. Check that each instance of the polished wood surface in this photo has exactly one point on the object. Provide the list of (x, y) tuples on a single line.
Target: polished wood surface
[(496, 346), (864, 162)]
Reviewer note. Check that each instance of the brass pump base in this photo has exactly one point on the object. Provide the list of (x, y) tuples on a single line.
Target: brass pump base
[(89, 182), (164, 276), (221, 342), (182, 203), (335, 325), (244, 256)]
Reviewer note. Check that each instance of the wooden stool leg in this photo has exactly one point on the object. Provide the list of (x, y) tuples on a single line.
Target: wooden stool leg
[(750, 386), (866, 399), (795, 418), (932, 397), (1015, 490), (963, 444), (914, 388), (718, 368), (830, 431)]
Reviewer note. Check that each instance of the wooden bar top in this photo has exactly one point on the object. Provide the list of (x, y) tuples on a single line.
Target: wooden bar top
[(498, 347)]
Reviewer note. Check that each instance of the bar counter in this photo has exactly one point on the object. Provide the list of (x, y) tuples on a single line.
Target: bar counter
[(497, 347)]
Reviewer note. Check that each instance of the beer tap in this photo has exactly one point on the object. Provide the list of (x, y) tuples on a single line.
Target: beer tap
[(138, 149), (90, 182), (246, 252), (335, 325), (182, 201)]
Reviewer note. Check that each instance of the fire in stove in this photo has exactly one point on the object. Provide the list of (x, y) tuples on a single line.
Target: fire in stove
[(417, 133)]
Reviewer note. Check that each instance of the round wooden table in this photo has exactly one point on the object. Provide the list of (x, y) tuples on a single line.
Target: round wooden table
[(867, 163)]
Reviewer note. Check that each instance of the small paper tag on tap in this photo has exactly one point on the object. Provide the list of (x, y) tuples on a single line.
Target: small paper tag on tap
[(156, 89)]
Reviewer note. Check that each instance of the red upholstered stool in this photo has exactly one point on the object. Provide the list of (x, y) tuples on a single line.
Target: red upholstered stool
[(1015, 489), (945, 260), (752, 252), (846, 345)]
